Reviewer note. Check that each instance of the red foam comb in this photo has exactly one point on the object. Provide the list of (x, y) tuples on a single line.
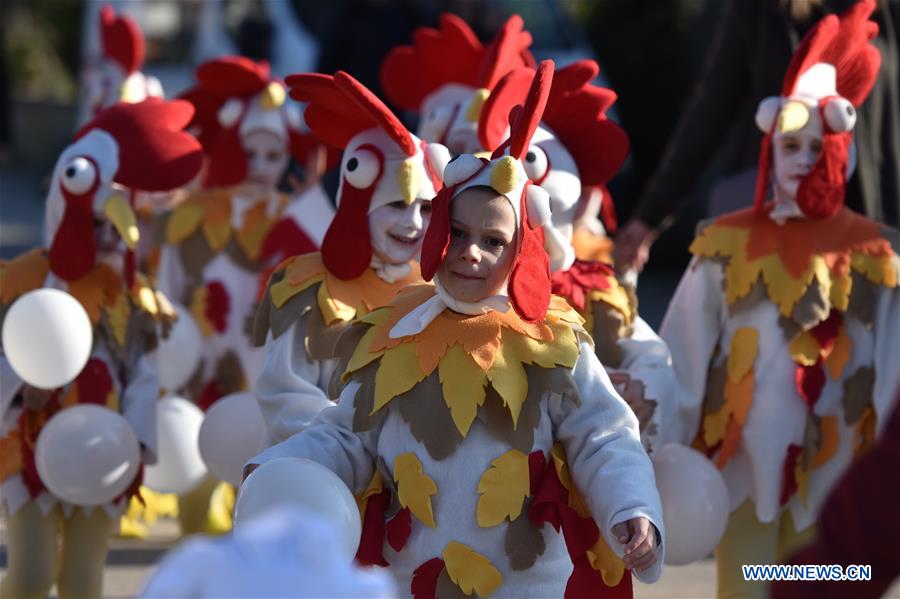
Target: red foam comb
[(524, 127), (339, 107), (121, 39), (155, 153), (575, 111), (233, 76), (452, 54)]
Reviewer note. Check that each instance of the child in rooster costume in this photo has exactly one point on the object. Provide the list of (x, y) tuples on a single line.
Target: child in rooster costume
[(475, 409), (139, 147), (447, 74), (222, 242), (119, 77), (577, 146), (784, 327), (388, 179)]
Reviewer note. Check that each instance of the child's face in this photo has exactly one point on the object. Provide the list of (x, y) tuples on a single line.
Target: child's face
[(794, 154), (397, 230), (267, 158), (482, 245)]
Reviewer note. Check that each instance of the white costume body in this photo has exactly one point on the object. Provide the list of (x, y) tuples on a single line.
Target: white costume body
[(600, 437), (699, 324), (241, 285)]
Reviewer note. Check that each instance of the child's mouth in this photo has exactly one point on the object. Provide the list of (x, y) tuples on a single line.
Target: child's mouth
[(404, 240), (465, 277)]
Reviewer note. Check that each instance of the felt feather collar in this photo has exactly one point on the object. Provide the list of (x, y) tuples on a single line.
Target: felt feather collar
[(210, 211), (338, 299), (468, 352), (790, 258)]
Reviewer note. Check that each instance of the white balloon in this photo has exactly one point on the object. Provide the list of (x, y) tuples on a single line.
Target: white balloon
[(694, 501), (87, 454), (307, 484), (231, 434), (179, 354), (179, 467), (47, 338)]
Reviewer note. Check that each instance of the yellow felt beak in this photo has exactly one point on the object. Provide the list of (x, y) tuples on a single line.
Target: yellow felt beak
[(408, 180), (473, 112), (120, 214), (504, 175), (272, 97), (793, 117)]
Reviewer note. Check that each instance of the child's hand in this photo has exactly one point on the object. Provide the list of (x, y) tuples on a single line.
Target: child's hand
[(639, 538)]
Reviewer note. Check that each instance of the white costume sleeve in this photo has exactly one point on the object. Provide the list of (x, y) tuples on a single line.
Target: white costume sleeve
[(290, 388), (646, 358), (605, 455), (330, 441), (887, 353), (138, 401), (691, 329), (10, 383)]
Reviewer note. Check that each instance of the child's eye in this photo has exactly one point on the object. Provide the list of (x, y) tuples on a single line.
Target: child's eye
[(816, 146), (398, 205), (495, 242), (456, 233), (272, 156), (426, 207), (791, 145)]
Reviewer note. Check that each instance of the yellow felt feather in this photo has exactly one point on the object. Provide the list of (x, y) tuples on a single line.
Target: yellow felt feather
[(471, 571), (503, 489), (507, 376), (362, 355), (117, 315), (743, 352), (463, 385), (839, 355), (376, 486), (414, 487), (333, 310), (398, 373), (840, 292), (604, 560), (714, 426), (805, 349), (183, 221)]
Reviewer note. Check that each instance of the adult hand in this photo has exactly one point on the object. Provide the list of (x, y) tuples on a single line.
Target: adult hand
[(632, 246), (632, 391)]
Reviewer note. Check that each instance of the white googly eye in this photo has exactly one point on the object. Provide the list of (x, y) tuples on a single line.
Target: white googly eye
[(536, 163), (767, 112), (79, 175), (840, 115), (361, 168), (461, 168)]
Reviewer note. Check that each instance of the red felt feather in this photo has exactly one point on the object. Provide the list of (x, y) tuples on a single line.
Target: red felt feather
[(94, 383), (581, 279), (585, 582), (371, 541), (425, 577), (398, 529), (217, 305)]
